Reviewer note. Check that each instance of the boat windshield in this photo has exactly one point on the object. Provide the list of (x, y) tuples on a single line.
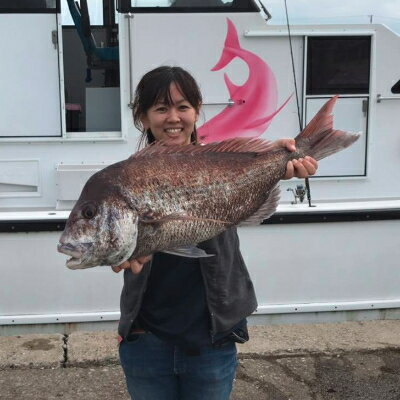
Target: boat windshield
[(187, 6), (29, 6)]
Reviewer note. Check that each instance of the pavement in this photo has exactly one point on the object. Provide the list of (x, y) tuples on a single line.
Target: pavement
[(335, 361)]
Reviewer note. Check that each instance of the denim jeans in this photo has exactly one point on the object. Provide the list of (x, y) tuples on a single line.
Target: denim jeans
[(156, 370)]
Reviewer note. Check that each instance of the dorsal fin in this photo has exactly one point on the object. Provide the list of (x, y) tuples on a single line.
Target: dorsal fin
[(266, 209), (236, 145)]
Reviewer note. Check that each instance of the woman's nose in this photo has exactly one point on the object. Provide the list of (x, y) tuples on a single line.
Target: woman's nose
[(173, 115)]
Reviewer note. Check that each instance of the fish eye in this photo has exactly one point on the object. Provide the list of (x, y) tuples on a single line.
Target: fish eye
[(89, 211)]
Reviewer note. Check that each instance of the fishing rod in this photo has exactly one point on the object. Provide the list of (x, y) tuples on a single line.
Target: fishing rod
[(307, 182)]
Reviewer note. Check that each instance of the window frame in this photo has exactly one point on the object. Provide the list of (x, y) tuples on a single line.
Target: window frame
[(309, 91), (124, 6), (37, 10)]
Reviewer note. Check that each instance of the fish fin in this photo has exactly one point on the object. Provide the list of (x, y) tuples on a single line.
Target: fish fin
[(318, 139), (230, 47), (266, 209), (190, 252), (264, 120), (232, 88), (235, 145)]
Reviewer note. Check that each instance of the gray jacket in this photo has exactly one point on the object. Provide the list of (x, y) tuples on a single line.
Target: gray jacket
[(230, 293)]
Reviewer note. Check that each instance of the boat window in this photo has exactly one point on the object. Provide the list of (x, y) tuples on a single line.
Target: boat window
[(338, 65), (91, 67), (29, 68), (29, 6), (396, 88), (152, 6)]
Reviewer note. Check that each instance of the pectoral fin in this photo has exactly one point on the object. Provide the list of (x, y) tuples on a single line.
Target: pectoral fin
[(266, 209), (190, 252)]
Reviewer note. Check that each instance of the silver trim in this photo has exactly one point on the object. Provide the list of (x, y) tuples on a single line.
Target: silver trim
[(229, 103), (379, 98), (130, 16)]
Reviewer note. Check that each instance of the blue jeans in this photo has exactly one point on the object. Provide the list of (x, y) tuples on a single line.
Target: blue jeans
[(156, 370)]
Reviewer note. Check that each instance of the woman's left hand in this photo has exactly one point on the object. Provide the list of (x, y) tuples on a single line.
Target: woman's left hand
[(301, 168), (136, 265)]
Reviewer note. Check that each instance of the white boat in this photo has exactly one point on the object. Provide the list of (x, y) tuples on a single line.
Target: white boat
[(65, 114)]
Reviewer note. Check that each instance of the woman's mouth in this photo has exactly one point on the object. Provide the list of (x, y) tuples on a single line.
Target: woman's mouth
[(173, 131)]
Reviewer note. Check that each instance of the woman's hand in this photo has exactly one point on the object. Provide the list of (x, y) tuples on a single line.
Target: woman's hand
[(135, 265), (301, 168)]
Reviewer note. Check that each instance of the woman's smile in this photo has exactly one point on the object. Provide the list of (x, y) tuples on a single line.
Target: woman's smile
[(173, 130)]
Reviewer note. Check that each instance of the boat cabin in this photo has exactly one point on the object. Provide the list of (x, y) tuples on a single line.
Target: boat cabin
[(68, 72)]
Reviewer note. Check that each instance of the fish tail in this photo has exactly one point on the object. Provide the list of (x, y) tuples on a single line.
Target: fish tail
[(318, 139), (230, 47)]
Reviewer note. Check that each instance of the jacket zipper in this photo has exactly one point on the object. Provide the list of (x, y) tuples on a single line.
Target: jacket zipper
[(213, 327), (140, 299)]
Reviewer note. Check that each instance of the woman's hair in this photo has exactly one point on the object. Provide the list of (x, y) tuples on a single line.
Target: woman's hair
[(154, 87)]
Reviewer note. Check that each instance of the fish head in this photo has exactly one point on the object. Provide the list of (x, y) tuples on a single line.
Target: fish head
[(101, 229)]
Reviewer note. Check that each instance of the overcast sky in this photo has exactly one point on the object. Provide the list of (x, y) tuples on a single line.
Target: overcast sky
[(336, 11)]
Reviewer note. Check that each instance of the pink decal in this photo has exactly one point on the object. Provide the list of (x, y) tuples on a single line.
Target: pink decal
[(255, 101)]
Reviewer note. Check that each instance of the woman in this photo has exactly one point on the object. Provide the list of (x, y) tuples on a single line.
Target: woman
[(182, 317)]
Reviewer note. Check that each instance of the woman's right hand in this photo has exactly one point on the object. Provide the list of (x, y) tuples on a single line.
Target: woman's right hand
[(135, 265)]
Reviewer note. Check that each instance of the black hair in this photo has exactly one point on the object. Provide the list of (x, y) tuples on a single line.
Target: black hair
[(154, 87)]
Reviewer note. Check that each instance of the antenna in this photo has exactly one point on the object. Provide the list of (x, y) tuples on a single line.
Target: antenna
[(267, 15), (307, 182)]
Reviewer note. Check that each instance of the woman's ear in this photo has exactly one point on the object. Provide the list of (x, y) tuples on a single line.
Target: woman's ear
[(198, 112), (145, 121)]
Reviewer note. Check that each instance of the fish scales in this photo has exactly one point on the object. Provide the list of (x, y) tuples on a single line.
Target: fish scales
[(225, 186)]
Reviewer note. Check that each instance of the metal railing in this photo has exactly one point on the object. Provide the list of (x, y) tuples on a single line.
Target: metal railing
[(379, 98)]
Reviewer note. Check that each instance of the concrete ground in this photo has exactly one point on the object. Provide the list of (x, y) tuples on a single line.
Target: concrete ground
[(338, 361)]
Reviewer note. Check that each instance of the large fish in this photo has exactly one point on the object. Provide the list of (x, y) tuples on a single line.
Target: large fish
[(168, 198)]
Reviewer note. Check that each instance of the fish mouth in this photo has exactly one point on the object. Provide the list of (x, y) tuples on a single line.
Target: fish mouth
[(78, 254)]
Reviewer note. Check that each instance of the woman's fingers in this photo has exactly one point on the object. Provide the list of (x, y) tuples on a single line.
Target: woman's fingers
[(289, 170), (135, 265), (289, 144), (302, 168), (118, 268), (309, 166)]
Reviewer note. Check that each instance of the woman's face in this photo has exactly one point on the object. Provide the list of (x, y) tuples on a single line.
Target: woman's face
[(172, 123)]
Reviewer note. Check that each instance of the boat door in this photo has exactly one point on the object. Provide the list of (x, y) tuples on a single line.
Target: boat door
[(29, 69), (340, 65)]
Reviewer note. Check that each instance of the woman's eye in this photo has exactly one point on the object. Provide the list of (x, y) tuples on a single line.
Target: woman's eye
[(161, 109)]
